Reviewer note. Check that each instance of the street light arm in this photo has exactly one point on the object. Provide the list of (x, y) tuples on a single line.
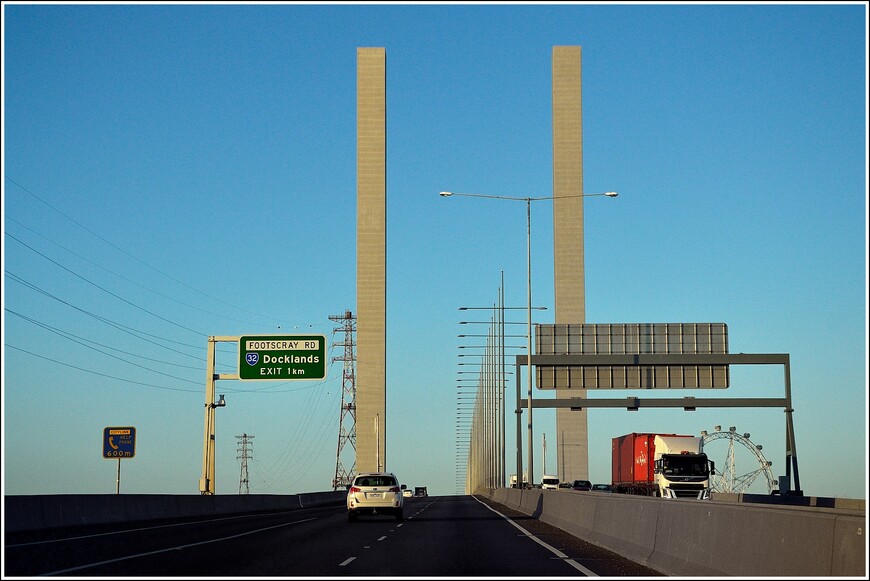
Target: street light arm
[(527, 199), (608, 194), (448, 194), (501, 309)]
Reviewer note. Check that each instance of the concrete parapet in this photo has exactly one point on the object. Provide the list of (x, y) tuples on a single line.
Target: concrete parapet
[(856, 504), (69, 510), (312, 499), (603, 520), (531, 502), (681, 537), (698, 538), (509, 497), (23, 512)]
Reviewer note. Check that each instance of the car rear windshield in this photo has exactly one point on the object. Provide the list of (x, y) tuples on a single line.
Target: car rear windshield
[(375, 481)]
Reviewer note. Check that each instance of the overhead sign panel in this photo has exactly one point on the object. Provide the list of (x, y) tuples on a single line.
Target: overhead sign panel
[(282, 357), (119, 442), (631, 339)]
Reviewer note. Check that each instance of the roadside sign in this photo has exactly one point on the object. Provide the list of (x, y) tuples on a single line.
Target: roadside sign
[(119, 442), (282, 357)]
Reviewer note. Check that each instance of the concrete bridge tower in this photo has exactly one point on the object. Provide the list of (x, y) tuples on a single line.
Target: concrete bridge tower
[(572, 441), (371, 260)]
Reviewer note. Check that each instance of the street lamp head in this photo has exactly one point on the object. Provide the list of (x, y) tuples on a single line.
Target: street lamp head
[(445, 194), (611, 194)]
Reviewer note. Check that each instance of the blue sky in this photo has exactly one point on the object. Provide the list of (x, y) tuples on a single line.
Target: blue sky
[(172, 172)]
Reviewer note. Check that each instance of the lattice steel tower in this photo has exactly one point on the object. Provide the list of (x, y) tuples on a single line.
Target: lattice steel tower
[(243, 451), (346, 427)]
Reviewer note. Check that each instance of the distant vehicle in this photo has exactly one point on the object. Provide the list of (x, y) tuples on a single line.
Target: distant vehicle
[(601, 487), (513, 481), (374, 493), (549, 482), (564, 485), (420, 491), (407, 493), (581, 485)]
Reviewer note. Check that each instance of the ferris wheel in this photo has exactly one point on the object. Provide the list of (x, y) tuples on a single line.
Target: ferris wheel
[(730, 476)]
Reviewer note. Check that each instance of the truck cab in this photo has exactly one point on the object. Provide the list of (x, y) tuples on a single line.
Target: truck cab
[(682, 473)]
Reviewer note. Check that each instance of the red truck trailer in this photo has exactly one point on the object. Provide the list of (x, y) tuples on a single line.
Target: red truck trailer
[(665, 465)]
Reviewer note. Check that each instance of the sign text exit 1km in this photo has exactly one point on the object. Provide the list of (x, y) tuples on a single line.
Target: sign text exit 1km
[(282, 357)]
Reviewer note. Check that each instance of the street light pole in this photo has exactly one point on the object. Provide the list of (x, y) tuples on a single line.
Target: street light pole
[(518, 409), (528, 201), (529, 332)]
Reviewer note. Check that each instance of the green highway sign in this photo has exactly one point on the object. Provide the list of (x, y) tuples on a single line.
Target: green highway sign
[(282, 357)]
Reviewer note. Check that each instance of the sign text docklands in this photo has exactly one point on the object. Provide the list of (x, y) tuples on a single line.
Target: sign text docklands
[(282, 357)]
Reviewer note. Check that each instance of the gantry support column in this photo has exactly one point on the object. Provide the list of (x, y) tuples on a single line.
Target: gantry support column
[(572, 442), (371, 261)]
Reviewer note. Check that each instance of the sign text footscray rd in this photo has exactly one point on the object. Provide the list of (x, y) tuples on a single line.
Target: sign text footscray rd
[(282, 357)]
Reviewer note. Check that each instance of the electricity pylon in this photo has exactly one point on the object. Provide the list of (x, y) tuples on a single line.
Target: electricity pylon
[(243, 451), (347, 423)]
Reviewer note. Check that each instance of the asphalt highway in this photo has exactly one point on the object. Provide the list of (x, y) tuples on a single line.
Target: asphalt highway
[(448, 536)]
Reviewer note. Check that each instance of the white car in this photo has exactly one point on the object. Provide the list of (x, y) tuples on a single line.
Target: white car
[(375, 493), (407, 493)]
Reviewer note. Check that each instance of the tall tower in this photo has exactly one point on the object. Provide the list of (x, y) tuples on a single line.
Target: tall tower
[(347, 422), (572, 441), (371, 260), (243, 451)]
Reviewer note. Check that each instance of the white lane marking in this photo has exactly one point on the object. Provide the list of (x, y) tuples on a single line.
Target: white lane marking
[(382, 538), (178, 548), (552, 549), (346, 561)]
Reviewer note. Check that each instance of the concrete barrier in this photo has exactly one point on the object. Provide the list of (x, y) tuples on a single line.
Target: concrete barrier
[(24, 512), (734, 537), (678, 537)]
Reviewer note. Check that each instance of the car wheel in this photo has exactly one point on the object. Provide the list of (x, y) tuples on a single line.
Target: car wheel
[(351, 517), (399, 515)]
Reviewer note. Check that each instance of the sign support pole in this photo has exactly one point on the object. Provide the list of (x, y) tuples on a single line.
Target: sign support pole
[(279, 354), (206, 483), (688, 403), (118, 479)]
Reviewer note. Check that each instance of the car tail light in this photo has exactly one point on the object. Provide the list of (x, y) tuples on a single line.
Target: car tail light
[(355, 489), (395, 489)]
